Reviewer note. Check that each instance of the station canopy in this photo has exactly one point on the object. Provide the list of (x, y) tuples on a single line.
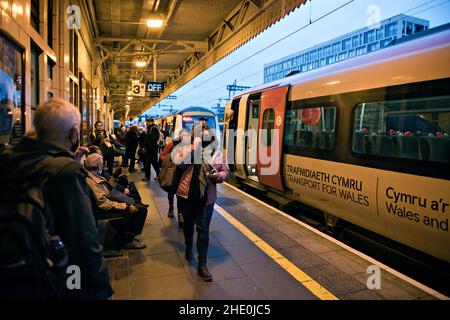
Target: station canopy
[(172, 41)]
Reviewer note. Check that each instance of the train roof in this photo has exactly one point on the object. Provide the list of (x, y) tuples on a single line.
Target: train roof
[(194, 109), (397, 64)]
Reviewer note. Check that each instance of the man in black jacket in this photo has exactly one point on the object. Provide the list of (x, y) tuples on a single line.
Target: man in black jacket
[(151, 149), (57, 125)]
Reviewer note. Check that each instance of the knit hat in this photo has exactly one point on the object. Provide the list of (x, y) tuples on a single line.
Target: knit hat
[(92, 161)]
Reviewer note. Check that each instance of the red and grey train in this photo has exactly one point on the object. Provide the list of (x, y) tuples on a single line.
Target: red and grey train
[(364, 140)]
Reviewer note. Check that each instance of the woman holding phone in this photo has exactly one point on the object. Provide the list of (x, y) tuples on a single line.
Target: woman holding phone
[(197, 203)]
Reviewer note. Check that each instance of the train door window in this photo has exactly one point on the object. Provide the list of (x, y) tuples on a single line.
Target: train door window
[(268, 124), (310, 128), (11, 93), (252, 135), (409, 128)]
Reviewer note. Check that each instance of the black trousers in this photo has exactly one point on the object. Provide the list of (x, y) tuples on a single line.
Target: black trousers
[(196, 215), (129, 226), (151, 159), (108, 157)]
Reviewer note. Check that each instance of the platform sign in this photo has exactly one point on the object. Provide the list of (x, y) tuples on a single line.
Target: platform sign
[(138, 90), (153, 86)]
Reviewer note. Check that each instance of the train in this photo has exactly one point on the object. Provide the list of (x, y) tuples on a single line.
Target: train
[(185, 119), (364, 141)]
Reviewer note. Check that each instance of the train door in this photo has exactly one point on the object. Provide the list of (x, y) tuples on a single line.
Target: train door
[(240, 137), (251, 143), (270, 137)]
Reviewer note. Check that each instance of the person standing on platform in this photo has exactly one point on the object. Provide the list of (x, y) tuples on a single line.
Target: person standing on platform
[(100, 138), (131, 142), (197, 191), (151, 150), (167, 153)]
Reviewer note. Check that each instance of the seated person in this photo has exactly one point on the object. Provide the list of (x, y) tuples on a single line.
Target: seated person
[(110, 205)]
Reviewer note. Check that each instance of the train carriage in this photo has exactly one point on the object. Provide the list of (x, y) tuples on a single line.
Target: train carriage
[(365, 141)]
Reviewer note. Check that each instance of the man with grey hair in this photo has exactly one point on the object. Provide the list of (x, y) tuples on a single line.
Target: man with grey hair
[(69, 215)]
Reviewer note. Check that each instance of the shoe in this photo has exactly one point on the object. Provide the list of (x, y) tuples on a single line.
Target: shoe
[(112, 253), (132, 170), (145, 205), (204, 273), (180, 221), (145, 179), (156, 179), (135, 245), (170, 213)]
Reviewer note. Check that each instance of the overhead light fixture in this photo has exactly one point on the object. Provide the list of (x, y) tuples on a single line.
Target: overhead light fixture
[(141, 64), (155, 21), (130, 98)]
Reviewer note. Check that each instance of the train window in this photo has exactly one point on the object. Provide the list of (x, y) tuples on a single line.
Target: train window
[(310, 128), (410, 129), (268, 125)]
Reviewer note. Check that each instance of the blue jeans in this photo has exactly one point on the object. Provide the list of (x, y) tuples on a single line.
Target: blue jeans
[(195, 214)]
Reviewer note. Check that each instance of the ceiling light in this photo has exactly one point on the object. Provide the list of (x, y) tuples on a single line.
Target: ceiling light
[(155, 22), (130, 98), (141, 64)]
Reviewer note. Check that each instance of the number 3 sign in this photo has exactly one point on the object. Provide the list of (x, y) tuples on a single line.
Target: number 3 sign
[(138, 90)]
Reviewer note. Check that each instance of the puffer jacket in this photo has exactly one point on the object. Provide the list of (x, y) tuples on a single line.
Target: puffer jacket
[(217, 162)]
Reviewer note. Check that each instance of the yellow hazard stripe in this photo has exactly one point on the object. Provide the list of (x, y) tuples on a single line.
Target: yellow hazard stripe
[(291, 268)]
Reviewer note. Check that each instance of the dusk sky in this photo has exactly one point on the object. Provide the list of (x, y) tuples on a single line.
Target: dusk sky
[(246, 64)]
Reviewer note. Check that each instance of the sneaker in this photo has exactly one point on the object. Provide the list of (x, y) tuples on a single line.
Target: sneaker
[(170, 213), (145, 179), (204, 273), (135, 245)]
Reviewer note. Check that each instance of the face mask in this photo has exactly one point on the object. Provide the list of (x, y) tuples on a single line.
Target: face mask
[(75, 145), (205, 143)]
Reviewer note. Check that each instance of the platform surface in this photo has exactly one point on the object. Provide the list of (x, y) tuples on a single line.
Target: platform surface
[(255, 253)]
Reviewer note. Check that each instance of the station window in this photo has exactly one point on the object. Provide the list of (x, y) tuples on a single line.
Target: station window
[(268, 124), (310, 127), (34, 14), (409, 129), (35, 88), (11, 93), (50, 23), (73, 47)]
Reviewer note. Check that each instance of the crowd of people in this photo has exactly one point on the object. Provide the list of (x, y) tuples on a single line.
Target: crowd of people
[(72, 200)]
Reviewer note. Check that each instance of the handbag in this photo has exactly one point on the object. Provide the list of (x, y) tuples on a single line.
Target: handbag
[(168, 178)]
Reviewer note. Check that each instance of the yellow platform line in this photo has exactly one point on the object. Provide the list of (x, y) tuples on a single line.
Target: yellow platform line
[(312, 285)]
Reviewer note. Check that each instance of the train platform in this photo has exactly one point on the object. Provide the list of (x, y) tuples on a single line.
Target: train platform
[(256, 253)]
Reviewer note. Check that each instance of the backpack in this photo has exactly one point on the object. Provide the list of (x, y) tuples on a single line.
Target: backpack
[(31, 267)]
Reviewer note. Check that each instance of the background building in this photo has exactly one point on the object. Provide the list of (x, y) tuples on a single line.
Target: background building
[(347, 46)]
